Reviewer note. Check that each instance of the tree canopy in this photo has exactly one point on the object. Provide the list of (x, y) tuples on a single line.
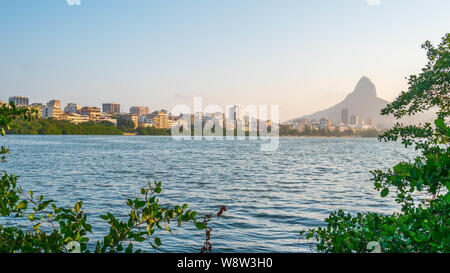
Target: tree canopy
[(419, 226), (50, 228)]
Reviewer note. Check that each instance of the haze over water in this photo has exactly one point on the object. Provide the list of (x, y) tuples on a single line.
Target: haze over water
[(270, 196)]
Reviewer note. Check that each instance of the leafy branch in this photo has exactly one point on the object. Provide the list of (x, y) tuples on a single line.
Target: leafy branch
[(69, 226), (423, 227)]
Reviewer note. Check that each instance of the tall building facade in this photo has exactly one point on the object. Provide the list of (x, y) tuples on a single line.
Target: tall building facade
[(354, 120), (19, 100), (131, 117), (157, 119), (54, 103), (111, 108), (52, 110), (72, 108), (236, 113), (161, 120), (324, 123), (91, 112), (139, 110), (344, 116)]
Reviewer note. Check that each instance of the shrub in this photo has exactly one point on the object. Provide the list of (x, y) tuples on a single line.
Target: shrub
[(423, 227), (50, 228)]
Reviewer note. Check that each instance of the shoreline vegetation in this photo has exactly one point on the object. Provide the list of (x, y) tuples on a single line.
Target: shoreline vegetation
[(420, 185), (62, 127), (45, 227)]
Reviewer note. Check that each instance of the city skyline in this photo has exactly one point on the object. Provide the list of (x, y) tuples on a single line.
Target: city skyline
[(142, 116), (363, 96), (301, 55)]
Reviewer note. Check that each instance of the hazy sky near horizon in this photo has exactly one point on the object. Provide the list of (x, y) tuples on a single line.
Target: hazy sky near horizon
[(302, 55)]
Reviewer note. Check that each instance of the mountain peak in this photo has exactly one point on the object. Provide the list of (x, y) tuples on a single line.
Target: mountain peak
[(362, 102), (365, 78), (365, 88)]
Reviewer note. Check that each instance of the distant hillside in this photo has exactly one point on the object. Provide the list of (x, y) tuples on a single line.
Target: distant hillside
[(363, 102)]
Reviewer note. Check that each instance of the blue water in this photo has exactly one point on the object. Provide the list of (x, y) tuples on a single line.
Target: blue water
[(270, 196)]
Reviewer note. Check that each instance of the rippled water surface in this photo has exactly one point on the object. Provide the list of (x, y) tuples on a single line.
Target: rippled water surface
[(270, 196)]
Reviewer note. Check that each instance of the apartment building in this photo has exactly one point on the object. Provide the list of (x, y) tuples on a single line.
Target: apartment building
[(91, 111), (52, 110), (19, 100), (111, 108)]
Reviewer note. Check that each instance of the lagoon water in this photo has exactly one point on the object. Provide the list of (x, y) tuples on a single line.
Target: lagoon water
[(270, 196)]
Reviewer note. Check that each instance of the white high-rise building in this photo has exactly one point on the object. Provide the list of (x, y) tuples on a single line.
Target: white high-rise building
[(19, 100), (111, 108), (72, 108), (236, 113), (52, 110), (354, 120)]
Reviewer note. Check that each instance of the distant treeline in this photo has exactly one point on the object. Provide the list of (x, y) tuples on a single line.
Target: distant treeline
[(151, 131), (128, 126), (61, 127), (328, 133)]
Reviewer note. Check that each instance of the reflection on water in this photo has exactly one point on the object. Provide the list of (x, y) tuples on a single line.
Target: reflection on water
[(270, 196)]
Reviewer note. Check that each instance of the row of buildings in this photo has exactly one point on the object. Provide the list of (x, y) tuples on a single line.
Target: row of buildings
[(354, 121), (74, 113), (235, 118), (348, 122)]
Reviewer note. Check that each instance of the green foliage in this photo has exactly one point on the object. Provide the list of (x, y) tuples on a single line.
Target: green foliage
[(146, 215), (423, 227), (152, 131), (10, 113), (49, 228), (126, 125), (61, 127), (52, 228), (285, 131)]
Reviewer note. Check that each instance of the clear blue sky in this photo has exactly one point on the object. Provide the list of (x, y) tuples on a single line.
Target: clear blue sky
[(302, 55)]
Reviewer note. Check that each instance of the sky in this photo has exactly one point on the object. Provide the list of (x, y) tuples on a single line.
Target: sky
[(301, 55)]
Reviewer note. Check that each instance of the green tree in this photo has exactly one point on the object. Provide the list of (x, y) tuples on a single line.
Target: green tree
[(125, 125), (24, 127), (419, 226), (58, 127), (49, 128), (50, 228), (152, 131), (107, 123)]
